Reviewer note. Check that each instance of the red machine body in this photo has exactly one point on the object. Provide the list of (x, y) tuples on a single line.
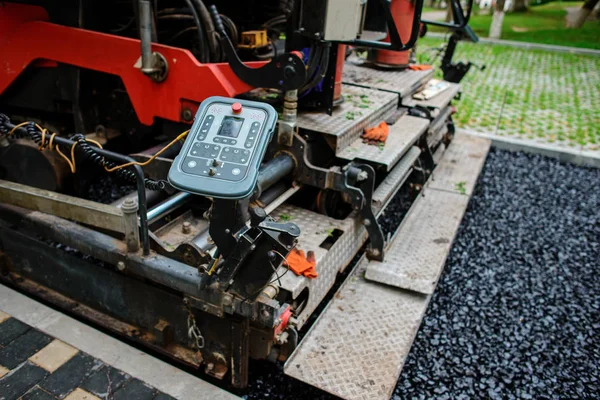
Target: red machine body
[(27, 38)]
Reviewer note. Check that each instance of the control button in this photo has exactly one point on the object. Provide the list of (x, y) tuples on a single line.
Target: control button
[(212, 172), (235, 171), (192, 164), (207, 146), (236, 151), (232, 141), (243, 160), (201, 137), (217, 140), (246, 152), (248, 145), (236, 108), (226, 149)]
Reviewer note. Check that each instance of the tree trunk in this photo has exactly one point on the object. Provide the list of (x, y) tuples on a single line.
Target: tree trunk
[(577, 19), (497, 19), (519, 5)]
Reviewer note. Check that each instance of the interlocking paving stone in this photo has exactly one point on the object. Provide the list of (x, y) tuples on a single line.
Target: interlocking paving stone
[(37, 393), (11, 329), (68, 377), (98, 382), (13, 385), (23, 347), (54, 355), (135, 390)]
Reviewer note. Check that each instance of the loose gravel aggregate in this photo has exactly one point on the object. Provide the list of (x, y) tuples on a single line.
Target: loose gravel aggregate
[(517, 311)]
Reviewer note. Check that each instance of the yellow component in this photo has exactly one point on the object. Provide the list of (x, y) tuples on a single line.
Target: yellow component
[(253, 39)]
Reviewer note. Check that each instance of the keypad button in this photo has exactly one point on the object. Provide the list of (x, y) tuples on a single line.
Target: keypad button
[(248, 145), (217, 140), (236, 171)]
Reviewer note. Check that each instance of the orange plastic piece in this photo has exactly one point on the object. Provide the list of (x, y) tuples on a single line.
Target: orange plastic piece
[(420, 67), (378, 133), (301, 264)]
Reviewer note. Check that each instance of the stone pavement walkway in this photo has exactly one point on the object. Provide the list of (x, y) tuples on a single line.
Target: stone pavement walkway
[(531, 95), (47, 355), (34, 365)]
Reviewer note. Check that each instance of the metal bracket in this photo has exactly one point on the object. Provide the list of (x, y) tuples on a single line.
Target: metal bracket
[(357, 180)]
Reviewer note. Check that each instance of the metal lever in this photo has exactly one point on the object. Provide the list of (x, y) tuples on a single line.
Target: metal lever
[(284, 72)]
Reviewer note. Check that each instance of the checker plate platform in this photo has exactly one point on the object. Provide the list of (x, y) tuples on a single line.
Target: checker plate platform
[(417, 256), (361, 108), (403, 82), (403, 134), (357, 346)]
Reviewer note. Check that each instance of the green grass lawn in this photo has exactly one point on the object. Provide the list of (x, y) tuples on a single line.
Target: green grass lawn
[(531, 94), (541, 24)]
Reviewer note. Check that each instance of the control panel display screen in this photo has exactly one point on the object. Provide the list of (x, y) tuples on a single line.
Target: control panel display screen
[(231, 127)]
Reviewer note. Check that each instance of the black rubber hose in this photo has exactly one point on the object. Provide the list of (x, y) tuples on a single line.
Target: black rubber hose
[(203, 54), (211, 34), (323, 65)]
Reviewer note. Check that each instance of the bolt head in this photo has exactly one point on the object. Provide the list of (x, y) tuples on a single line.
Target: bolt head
[(121, 266), (186, 227)]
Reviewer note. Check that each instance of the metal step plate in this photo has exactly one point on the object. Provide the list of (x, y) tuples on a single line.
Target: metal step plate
[(361, 108), (459, 168), (441, 100), (418, 253), (317, 228), (357, 347), (403, 134), (394, 180), (404, 82)]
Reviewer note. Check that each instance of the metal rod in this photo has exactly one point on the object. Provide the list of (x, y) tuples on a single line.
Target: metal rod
[(168, 205), (273, 171), (145, 13)]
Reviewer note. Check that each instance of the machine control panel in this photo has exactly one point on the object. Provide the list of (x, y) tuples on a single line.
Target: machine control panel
[(223, 151)]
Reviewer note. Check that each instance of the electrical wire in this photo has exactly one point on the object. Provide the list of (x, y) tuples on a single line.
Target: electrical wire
[(39, 135)]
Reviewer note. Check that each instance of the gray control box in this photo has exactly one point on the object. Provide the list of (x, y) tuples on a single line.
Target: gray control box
[(224, 149)]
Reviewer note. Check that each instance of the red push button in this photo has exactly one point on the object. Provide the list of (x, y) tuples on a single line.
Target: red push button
[(236, 108)]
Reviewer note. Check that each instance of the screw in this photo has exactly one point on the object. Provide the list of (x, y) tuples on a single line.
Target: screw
[(210, 366), (366, 222), (227, 300), (266, 314), (186, 227), (186, 114), (362, 176), (121, 266)]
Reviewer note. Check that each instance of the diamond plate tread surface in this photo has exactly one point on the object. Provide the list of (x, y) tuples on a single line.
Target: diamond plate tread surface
[(404, 82), (417, 254), (459, 168), (357, 347), (441, 100), (392, 182), (315, 228), (403, 134), (361, 108)]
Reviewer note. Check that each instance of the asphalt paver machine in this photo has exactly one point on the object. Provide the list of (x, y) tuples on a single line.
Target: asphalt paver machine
[(198, 176)]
